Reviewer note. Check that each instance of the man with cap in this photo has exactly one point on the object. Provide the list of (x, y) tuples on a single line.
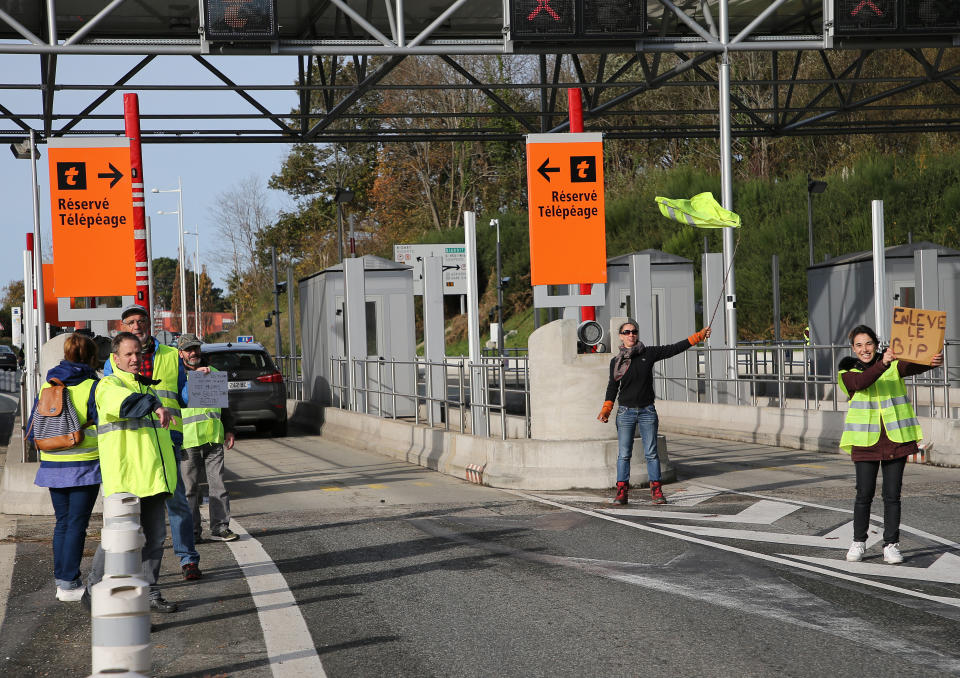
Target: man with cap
[(161, 365), (206, 430)]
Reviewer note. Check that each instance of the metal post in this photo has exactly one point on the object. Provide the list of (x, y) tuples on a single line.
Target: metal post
[(879, 272), (726, 176), (499, 294), (339, 230), (37, 248), (150, 295), (290, 318), (276, 302), (775, 273), (183, 259), (810, 220), (196, 287)]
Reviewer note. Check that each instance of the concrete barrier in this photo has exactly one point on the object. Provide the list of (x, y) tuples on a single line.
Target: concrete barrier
[(521, 464)]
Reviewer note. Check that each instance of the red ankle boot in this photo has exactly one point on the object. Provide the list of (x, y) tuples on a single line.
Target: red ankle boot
[(621, 497), (656, 494)]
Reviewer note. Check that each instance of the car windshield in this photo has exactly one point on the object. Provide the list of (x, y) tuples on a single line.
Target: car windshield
[(5, 349), (240, 361)]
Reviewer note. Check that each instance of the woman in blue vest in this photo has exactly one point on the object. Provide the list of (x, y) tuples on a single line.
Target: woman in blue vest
[(73, 475), (880, 431)]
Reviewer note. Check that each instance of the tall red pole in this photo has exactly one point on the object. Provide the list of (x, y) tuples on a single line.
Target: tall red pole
[(575, 108), (131, 119)]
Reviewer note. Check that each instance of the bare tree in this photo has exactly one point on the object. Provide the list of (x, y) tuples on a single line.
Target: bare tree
[(242, 213)]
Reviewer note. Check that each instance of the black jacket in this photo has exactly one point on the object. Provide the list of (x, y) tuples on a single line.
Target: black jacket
[(635, 388)]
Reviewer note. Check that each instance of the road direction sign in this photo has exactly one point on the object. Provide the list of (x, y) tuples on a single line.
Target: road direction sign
[(566, 209), (453, 257), (92, 217)]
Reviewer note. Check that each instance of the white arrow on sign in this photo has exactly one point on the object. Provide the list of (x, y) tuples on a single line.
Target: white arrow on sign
[(839, 538), (945, 569), (764, 512)]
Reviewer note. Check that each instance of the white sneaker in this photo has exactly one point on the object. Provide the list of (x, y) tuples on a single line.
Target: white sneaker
[(70, 595), (855, 554), (891, 554)]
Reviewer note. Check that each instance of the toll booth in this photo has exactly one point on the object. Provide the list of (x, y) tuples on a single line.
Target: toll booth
[(667, 281), (840, 293), (388, 334)]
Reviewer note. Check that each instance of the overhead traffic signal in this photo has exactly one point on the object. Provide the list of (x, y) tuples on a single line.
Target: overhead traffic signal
[(878, 18), (555, 20), (240, 20)]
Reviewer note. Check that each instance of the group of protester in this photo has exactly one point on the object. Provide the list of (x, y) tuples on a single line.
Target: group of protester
[(140, 437), (880, 431)]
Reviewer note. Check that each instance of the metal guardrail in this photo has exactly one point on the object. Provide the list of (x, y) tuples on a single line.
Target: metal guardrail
[(372, 390), (786, 375), (291, 367)]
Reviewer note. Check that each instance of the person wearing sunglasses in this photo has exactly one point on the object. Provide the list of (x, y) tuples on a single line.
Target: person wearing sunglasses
[(631, 383)]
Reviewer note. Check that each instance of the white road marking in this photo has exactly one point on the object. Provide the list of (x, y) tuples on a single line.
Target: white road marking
[(582, 498), (945, 569), (772, 600), (954, 602), (692, 495), (290, 648), (839, 538), (764, 512)]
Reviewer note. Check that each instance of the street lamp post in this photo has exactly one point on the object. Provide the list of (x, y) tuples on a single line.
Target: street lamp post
[(813, 186), (342, 195), (183, 278), (197, 316)]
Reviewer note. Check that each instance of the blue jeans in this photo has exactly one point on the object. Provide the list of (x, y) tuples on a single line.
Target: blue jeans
[(72, 506), (630, 421), (181, 522)]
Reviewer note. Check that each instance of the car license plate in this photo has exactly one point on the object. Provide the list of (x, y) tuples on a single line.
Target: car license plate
[(237, 385)]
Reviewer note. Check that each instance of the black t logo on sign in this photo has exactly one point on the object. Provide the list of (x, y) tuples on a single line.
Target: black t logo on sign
[(583, 169), (72, 176)]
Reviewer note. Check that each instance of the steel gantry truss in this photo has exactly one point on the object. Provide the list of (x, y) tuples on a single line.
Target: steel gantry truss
[(345, 67)]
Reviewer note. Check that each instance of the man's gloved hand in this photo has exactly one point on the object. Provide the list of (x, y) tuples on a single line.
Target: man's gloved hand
[(605, 411)]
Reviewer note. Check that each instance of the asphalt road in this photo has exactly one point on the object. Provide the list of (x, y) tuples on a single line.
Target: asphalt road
[(370, 566)]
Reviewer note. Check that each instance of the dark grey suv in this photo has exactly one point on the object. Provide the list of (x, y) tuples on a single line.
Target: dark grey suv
[(257, 393)]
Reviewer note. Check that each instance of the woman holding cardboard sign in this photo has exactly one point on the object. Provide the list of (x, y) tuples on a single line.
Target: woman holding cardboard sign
[(880, 431)]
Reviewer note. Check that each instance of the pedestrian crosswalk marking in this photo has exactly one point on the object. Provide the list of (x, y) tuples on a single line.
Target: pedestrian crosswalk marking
[(839, 538), (763, 512)]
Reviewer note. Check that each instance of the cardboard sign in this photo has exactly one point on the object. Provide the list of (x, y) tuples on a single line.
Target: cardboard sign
[(568, 242), (207, 390), (91, 206), (916, 335)]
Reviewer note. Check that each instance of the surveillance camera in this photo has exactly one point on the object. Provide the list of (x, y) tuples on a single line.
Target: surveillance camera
[(494, 222)]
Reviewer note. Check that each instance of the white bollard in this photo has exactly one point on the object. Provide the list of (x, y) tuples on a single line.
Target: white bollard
[(117, 673), (120, 624), (122, 538)]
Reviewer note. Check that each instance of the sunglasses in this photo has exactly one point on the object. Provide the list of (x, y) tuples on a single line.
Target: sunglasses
[(629, 332)]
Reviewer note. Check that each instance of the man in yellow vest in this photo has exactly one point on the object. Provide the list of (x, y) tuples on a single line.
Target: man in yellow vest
[(206, 430), (162, 365), (136, 454)]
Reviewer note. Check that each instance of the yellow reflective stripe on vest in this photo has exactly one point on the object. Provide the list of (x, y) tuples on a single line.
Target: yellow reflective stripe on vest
[(193, 419), (129, 425)]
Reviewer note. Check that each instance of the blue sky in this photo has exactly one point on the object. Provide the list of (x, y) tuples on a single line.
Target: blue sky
[(206, 170)]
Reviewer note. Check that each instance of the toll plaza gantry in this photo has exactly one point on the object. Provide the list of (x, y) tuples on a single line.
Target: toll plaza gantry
[(662, 69)]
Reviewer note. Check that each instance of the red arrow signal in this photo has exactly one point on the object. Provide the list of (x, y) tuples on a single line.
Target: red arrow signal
[(866, 3)]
